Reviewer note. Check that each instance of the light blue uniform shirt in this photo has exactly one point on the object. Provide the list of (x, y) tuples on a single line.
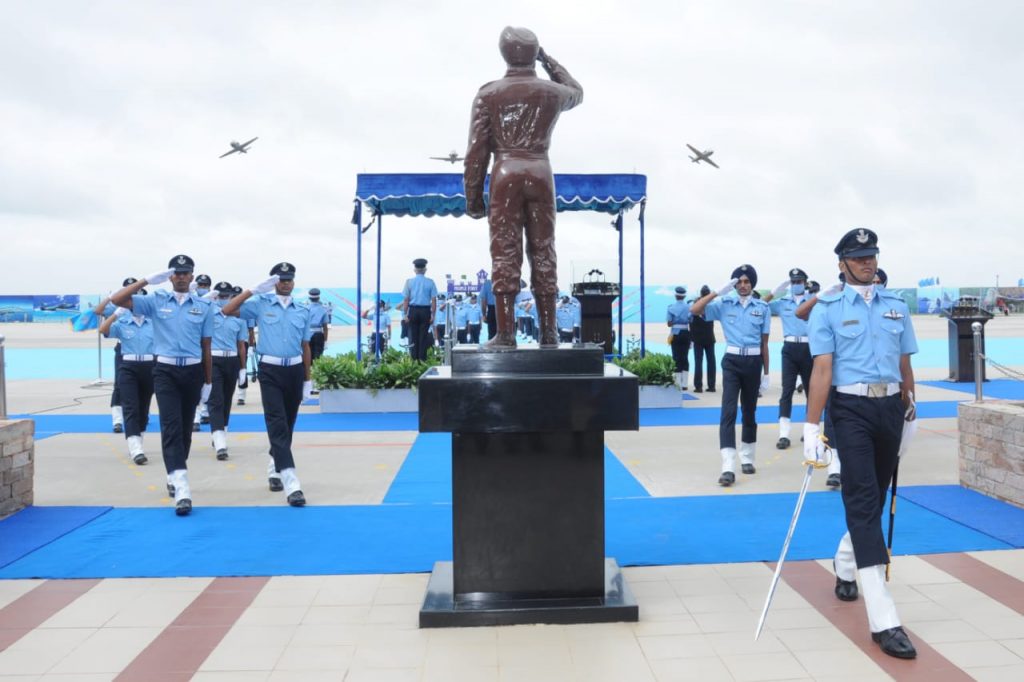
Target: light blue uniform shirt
[(177, 329), (742, 326), (487, 293), (419, 290), (228, 331), (678, 314), (577, 311), (565, 317), (371, 322), (282, 330), (866, 340), (785, 308), (473, 314), (461, 315), (317, 317), (136, 339)]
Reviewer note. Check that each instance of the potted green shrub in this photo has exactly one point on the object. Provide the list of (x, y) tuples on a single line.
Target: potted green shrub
[(347, 384), (654, 374)]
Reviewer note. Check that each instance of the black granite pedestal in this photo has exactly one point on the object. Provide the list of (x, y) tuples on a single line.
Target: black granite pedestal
[(527, 486)]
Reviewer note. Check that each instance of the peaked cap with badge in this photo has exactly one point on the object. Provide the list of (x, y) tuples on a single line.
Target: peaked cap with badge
[(182, 263), (284, 270), (857, 243)]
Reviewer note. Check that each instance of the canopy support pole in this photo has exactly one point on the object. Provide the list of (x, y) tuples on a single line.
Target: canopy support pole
[(618, 226), (376, 301), (643, 306), (357, 218)]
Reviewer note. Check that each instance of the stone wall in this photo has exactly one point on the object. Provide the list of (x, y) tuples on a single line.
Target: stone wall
[(992, 449), (17, 463)]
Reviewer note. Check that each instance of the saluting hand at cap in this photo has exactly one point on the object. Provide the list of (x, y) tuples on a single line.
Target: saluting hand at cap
[(266, 286), (833, 290), (159, 277), (778, 291), (726, 288)]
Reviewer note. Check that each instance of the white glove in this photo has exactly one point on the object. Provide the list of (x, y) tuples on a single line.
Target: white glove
[(241, 377), (210, 295), (778, 291), (122, 311), (909, 429), (726, 288), (192, 286), (814, 448), (159, 277), (266, 286), (765, 382), (307, 390), (205, 395), (832, 290), (911, 412)]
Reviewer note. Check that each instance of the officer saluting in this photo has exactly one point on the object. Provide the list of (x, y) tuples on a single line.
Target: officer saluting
[(746, 322), (182, 375), (284, 359), (319, 323), (796, 353), (420, 305), (228, 350), (862, 340)]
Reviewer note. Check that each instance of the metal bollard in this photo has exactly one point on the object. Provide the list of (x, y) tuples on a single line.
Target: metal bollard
[(3, 381), (978, 365)]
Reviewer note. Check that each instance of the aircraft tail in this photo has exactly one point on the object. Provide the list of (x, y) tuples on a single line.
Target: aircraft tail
[(694, 159)]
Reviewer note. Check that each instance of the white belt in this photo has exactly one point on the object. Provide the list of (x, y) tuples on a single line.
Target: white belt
[(680, 327), (282, 362), (180, 362), (797, 339), (224, 353), (138, 358), (880, 390), (741, 350)]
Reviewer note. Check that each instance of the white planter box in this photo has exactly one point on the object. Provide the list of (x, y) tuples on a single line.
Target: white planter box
[(660, 396), (365, 400)]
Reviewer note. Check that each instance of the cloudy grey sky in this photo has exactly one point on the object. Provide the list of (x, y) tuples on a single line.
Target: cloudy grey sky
[(900, 116)]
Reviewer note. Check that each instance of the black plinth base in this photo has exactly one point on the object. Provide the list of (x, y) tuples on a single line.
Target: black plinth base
[(442, 610)]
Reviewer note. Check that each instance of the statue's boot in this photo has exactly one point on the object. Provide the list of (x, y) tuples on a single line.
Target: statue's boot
[(505, 317), (548, 325)]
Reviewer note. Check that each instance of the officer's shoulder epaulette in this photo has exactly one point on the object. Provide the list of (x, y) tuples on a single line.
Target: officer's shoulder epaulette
[(302, 304), (886, 294), (830, 298)]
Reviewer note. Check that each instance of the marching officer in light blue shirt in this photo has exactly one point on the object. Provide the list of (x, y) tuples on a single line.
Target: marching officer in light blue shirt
[(135, 378), (862, 339), (746, 322), (284, 362), (419, 302), (474, 318), (461, 320), (374, 342), (183, 373), (796, 352), (319, 323), (677, 317), (229, 356)]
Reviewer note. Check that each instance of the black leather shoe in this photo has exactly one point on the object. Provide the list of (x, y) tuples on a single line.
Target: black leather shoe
[(183, 507), (240, 402), (895, 642), (698, 389), (726, 479), (205, 419), (297, 499), (118, 428), (222, 454), (846, 590), (275, 485), (195, 426), (748, 469), (783, 444), (711, 390), (833, 481), (140, 458)]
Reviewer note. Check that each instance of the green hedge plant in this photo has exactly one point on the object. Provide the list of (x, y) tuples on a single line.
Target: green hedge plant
[(654, 369), (395, 370)]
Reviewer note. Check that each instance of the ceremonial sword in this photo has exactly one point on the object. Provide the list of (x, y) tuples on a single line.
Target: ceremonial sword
[(811, 466)]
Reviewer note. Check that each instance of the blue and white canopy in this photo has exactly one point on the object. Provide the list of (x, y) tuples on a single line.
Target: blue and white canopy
[(442, 194)]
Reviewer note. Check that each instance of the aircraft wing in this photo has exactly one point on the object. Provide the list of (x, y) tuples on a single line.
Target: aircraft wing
[(246, 144), (227, 154), (440, 158), (710, 161), (694, 149)]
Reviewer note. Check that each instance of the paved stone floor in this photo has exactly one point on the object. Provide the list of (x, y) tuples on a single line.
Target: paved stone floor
[(965, 612)]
